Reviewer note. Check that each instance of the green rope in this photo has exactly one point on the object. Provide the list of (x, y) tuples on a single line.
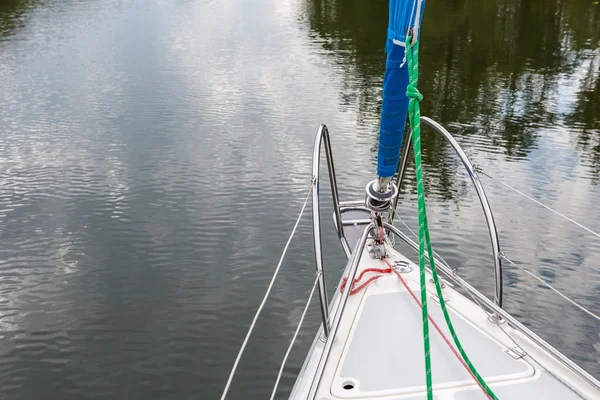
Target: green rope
[(412, 55)]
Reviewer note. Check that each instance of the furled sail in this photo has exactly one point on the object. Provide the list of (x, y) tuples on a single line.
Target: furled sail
[(404, 15)]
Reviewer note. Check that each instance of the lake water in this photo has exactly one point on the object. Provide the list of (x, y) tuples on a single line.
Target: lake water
[(154, 155)]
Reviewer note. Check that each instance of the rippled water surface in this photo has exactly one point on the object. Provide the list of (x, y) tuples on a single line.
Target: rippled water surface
[(154, 156)]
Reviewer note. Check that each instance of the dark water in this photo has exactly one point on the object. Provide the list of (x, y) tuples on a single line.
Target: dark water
[(154, 155)]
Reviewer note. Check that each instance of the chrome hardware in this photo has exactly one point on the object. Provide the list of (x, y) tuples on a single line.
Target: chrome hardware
[(435, 298), (376, 250), (356, 222), (494, 319), (379, 198), (516, 352), (383, 184), (323, 137), (402, 267), (401, 170), (442, 282)]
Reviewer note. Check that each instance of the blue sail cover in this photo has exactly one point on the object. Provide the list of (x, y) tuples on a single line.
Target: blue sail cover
[(403, 14)]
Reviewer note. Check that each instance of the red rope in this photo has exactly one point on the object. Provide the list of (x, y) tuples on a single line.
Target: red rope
[(367, 282), (437, 328), (371, 279)]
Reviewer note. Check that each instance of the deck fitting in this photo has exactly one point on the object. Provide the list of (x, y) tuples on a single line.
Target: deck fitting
[(402, 267)]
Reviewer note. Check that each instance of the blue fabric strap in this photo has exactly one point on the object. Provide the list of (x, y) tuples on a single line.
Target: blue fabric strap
[(395, 102), (393, 112)]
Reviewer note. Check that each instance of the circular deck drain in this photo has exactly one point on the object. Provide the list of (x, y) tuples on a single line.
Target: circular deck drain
[(349, 384)]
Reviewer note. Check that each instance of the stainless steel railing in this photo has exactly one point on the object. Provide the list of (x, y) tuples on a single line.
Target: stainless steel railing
[(487, 210), (323, 138)]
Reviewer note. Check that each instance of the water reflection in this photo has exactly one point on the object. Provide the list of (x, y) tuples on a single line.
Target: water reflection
[(142, 144), (500, 69), (13, 15)]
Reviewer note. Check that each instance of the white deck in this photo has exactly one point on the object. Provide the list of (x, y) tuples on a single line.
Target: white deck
[(378, 352)]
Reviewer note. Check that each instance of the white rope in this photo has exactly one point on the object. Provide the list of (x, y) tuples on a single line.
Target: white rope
[(287, 353), (582, 308), (410, 19), (264, 300), (541, 204), (417, 21)]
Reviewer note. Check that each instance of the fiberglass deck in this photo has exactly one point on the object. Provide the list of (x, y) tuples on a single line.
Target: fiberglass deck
[(378, 352)]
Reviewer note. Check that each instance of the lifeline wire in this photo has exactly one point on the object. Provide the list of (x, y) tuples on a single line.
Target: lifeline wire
[(573, 302), (539, 203), (582, 308), (287, 353), (264, 300)]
